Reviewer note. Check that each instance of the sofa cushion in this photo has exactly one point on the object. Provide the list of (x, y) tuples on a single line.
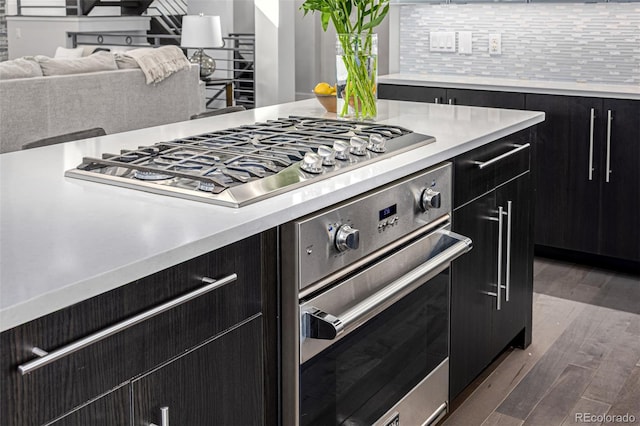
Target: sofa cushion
[(20, 68), (99, 61), (64, 53)]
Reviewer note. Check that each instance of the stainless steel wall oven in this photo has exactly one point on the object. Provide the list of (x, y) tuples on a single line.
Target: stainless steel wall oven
[(365, 311)]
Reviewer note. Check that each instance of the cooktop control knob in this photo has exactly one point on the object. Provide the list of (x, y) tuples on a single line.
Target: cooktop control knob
[(347, 238), (376, 143), (341, 148), (328, 155), (358, 146), (430, 199), (312, 163)]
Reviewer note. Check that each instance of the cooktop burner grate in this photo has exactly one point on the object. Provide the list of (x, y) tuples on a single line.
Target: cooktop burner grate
[(244, 164)]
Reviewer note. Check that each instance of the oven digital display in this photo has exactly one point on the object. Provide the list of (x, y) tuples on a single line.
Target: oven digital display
[(387, 211)]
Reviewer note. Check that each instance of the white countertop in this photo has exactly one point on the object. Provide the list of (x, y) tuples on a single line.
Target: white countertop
[(63, 240), (615, 91)]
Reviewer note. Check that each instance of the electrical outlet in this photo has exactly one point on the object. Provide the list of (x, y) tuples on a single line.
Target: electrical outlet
[(495, 44), (18, 32)]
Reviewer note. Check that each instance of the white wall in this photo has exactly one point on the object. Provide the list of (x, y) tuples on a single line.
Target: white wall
[(275, 63)]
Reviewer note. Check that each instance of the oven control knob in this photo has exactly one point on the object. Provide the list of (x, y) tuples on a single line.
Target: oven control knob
[(376, 143), (347, 238), (312, 163), (430, 199), (358, 146)]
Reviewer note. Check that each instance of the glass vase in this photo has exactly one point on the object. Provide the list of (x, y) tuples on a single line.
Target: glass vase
[(357, 76)]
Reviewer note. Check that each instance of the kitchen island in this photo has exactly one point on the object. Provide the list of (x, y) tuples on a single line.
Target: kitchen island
[(65, 240), (143, 299)]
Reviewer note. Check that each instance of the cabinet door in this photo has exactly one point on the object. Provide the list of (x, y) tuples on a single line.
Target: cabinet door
[(472, 277), (485, 98), (109, 410), (566, 203), (517, 260), (411, 93), (218, 383), (620, 210)]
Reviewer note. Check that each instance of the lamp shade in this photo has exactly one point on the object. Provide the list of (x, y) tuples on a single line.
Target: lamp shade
[(201, 31)]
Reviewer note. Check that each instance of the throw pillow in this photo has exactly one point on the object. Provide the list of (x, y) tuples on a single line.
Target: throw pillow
[(99, 61), (64, 53), (20, 68)]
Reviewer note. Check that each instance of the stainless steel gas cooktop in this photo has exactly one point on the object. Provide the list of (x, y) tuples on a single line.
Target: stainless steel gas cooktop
[(241, 165)]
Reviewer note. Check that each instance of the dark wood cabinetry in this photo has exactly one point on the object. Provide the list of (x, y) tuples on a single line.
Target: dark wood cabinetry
[(218, 383), (91, 372), (588, 175), (412, 93), (491, 292), (485, 98), (440, 95), (587, 169), (111, 409)]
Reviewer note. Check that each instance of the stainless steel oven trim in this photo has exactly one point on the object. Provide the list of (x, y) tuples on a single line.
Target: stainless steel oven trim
[(445, 219), (341, 324), (434, 387)]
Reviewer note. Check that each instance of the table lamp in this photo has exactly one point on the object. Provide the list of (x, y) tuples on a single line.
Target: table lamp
[(201, 32)]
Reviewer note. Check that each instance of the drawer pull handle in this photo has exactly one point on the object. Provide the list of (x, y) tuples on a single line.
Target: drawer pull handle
[(47, 358), (592, 118), (164, 417), (483, 164), (609, 119)]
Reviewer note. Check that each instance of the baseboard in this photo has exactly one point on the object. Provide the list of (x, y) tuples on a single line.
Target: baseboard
[(606, 262)]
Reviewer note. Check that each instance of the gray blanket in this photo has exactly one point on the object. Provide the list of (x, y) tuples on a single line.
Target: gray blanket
[(159, 63)]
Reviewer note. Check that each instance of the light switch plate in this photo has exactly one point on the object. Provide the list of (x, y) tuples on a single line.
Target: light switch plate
[(464, 42), (442, 41)]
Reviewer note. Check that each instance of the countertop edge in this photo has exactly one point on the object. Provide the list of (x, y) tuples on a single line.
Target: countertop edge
[(520, 86)]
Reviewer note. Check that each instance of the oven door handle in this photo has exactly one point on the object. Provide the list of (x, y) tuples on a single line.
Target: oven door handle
[(317, 324)]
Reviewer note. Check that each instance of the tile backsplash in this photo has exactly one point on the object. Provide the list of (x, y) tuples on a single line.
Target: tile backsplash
[(578, 42)]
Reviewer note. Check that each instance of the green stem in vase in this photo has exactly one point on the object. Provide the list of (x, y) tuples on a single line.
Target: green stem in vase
[(354, 21)]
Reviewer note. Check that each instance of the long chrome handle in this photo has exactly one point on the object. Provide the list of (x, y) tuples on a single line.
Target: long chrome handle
[(436, 414), (327, 326), (508, 267), (482, 165), (591, 127), (499, 282), (164, 417), (49, 357), (609, 120)]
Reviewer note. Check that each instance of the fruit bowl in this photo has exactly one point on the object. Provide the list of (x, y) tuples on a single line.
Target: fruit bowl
[(329, 102)]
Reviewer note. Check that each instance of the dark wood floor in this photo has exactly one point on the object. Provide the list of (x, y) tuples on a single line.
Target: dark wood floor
[(584, 359)]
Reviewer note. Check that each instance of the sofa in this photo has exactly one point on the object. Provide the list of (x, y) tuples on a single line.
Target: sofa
[(117, 100)]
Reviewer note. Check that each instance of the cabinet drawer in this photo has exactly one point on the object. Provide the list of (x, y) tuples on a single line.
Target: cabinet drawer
[(73, 379), (484, 168), (411, 93)]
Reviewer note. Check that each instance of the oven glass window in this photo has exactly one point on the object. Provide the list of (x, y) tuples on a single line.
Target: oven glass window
[(356, 381)]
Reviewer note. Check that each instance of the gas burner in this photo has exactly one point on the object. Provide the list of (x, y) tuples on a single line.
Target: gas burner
[(325, 126), (150, 175), (384, 130), (206, 186)]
